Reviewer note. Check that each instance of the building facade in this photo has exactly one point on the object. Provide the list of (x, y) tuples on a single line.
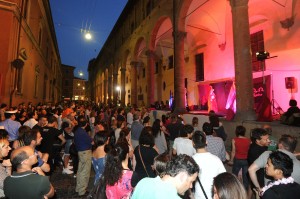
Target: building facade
[(29, 58), (79, 89), (67, 81), (227, 54)]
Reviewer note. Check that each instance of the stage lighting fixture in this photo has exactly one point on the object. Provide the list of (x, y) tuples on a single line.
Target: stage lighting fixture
[(262, 55)]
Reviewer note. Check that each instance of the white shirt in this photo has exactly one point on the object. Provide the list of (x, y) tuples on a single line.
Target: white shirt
[(30, 123), (129, 119), (210, 166), (184, 146)]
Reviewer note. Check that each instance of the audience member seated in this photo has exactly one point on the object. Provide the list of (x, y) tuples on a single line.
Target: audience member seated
[(5, 165), (292, 115), (280, 167), (227, 186)]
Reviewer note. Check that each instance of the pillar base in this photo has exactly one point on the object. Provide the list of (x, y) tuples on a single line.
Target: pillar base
[(180, 110), (242, 116)]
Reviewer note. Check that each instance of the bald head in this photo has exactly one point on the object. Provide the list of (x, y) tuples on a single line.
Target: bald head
[(20, 155)]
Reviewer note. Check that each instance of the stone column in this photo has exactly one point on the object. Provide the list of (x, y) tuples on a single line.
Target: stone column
[(242, 61), (109, 90), (123, 91), (150, 77), (115, 84), (179, 90), (134, 65), (105, 90)]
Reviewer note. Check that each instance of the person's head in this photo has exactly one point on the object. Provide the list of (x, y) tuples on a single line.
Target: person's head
[(82, 121), (260, 136), (136, 117), (184, 171), (113, 169), (156, 127), (279, 165), (195, 121), (187, 131), (23, 113), (101, 138), (199, 140), (268, 128), (23, 130), (214, 120), (43, 121), (4, 147), (124, 136), (10, 114), (293, 102), (146, 121), (228, 186), (146, 137), (32, 138), (3, 106), (240, 131), (3, 134), (288, 143), (160, 164), (207, 128), (23, 157), (33, 114), (52, 119)]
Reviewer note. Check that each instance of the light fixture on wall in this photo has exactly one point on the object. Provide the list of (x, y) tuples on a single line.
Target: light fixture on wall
[(262, 55)]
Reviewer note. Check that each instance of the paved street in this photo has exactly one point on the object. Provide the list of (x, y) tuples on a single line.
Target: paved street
[(65, 184)]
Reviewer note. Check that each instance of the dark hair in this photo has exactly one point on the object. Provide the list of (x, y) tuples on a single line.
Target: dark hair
[(156, 128), (146, 136), (199, 140), (207, 128), (188, 129), (160, 164), (52, 119), (293, 102), (100, 139), (42, 116), (135, 116), (30, 114), (228, 186), (283, 162), (182, 163), (3, 133), (195, 121), (122, 136), (81, 121), (288, 142), (23, 130), (29, 136), (113, 169), (16, 162), (146, 119), (257, 133), (3, 105), (240, 130), (214, 120)]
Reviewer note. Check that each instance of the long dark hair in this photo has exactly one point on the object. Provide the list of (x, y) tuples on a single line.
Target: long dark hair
[(113, 169), (156, 128), (122, 137)]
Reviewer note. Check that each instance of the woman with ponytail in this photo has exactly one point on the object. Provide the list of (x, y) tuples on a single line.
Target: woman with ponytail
[(117, 176)]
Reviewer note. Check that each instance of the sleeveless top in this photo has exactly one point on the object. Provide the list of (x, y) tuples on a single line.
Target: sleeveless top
[(241, 148), (98, 165)]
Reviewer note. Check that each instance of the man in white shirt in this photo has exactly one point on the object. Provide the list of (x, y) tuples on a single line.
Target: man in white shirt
[(32, 121), (209, 164), (183, 144), (130, 117)]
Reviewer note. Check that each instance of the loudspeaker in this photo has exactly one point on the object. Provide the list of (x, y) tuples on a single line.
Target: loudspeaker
[(290, 82)]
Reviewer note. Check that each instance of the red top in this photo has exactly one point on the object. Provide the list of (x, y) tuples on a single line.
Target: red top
[(241, 148)]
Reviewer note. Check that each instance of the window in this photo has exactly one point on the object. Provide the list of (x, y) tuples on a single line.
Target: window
[(40, 37), (257, 44), (171, 62), (144, 72), (45, 86), (66, 83), (199, 60)]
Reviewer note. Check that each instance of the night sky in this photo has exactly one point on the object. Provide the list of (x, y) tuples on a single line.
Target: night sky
[(72, 18)]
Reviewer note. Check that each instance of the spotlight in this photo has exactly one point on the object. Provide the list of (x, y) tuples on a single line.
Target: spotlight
[(262, 55)]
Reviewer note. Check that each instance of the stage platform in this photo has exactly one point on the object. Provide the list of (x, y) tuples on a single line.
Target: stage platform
[(277, 128)]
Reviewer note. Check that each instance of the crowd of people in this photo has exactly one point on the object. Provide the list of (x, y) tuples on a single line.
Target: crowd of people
[(133, 157)]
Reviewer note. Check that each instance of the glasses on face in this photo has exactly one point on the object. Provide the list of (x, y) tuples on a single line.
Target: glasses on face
[(31, 156)]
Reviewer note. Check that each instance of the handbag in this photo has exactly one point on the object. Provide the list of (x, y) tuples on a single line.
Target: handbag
[(143, 161)]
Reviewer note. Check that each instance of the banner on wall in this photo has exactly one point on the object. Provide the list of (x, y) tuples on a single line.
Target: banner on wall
[(262, 96)]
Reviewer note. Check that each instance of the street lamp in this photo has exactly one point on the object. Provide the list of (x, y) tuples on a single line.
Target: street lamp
[(118, 88), (88, 36)]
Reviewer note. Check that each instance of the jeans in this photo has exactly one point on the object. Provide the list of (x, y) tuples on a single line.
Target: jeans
[(239, 164)]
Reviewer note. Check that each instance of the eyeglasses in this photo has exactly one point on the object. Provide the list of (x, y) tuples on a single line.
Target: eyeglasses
[(34, 155)]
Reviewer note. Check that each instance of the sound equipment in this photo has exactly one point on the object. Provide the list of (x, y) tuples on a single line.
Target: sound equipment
[(290, 82)]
